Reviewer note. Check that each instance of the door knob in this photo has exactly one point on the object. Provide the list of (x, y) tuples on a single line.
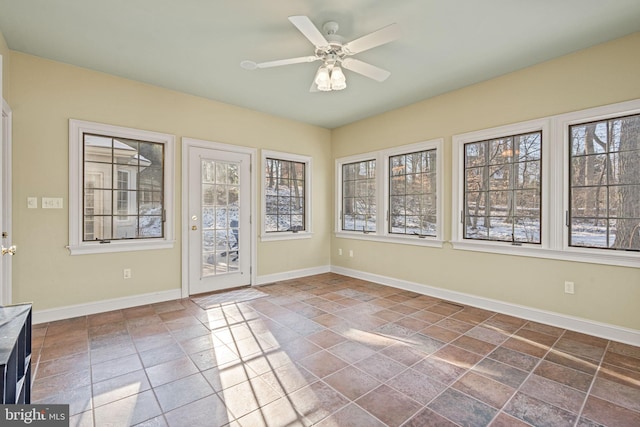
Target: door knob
[(11, 250), (194, 227)]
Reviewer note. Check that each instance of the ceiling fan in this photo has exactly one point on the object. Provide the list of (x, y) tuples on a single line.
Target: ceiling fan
[(334, 54)]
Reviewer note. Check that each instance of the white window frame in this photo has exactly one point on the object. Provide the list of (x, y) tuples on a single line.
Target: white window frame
[(382, 233), (77, 128), (286, 235), (593, 255), (457, 227), (555, 189)]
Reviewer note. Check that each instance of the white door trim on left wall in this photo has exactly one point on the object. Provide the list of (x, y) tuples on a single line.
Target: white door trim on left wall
[(6, 293)]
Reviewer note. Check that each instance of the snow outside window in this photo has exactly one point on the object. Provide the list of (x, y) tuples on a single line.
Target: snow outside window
[(413, 193), (286, 196), (120, 188), (359, 196), (392, 195), (604, 177), (502, 184), (562, 187)]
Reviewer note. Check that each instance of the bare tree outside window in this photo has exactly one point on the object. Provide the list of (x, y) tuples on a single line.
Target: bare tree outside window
[(359, 196), (502, 189), (604, 185), (284, 195), (412, 193)]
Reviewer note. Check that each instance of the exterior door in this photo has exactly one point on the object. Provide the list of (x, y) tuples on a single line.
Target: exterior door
[(218, 220)]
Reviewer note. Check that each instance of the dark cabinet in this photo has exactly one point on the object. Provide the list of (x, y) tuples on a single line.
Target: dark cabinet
[(15, 353)]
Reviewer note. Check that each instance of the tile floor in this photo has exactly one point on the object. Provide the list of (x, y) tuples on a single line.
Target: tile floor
[(329, 350)]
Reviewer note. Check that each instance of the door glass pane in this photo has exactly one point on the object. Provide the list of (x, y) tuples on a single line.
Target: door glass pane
[(220, 213)]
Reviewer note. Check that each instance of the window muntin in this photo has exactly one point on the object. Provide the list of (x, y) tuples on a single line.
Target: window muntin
[(129, 173), (604, 184), (502, 189), (359, 196), (392, 195), (99, 157), (285, 196), (413, 193), (564, 192)]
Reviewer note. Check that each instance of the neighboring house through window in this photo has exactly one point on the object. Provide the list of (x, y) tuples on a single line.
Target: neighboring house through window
[(120, 188)]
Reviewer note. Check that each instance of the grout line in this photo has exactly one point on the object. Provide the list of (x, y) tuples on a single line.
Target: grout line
[(239, 317), (593, 381)]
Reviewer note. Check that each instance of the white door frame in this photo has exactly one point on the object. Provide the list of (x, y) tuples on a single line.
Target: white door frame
[(5, 224), (5, 194), (188, 143)]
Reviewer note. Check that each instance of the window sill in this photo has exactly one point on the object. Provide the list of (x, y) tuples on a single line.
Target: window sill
[(285, 235), (591, 256), (115, 246), (408, 240)]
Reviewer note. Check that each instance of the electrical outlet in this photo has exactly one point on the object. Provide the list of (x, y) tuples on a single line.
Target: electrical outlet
[(32, 202), (340, 251), (569, 288), (350, 253), (126, 273)]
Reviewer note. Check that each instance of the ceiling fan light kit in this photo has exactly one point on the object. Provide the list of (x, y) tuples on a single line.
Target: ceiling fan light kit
[(334, 54), (330, 77)]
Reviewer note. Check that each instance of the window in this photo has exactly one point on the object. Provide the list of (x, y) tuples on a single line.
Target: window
[(120, 189), (502, 199), (412, 194), (286, 196), (359, 196), (392, 195), (562, 187), (604, 177), (500, 183)]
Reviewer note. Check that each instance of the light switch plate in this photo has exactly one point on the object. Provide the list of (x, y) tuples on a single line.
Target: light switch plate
[(32, 202), (51, 203)]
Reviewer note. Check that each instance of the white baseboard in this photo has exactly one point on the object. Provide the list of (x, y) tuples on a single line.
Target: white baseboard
[(294, 274), (67, 312), (598, 329), (590, 327)]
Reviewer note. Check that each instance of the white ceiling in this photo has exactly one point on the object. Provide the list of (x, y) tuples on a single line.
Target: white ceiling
[(196, 46)]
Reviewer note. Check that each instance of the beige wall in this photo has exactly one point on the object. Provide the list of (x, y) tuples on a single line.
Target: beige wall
[(601, 75), (46, 94)]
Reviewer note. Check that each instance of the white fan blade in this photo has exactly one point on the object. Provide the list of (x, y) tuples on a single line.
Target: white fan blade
[(365, 69), (377, 38), (309, 30), (289, 61)]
